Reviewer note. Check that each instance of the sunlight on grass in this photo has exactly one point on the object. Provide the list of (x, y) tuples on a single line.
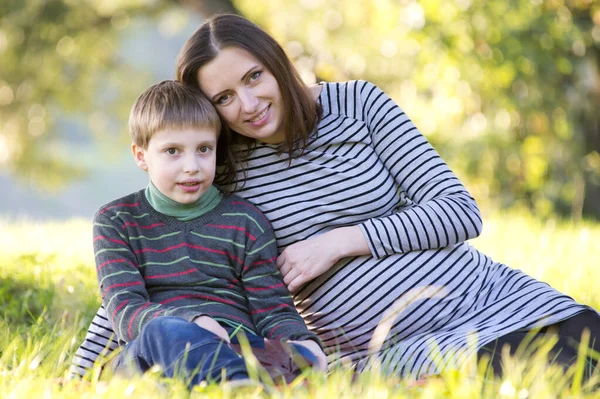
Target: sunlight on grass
[(68, 242), (49, 295), (560, 253)]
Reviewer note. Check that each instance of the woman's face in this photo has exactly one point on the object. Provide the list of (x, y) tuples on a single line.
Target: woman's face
[(245, 93)]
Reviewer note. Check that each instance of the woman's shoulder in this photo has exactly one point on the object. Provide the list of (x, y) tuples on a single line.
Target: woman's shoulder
[(344, 98), (350, 87)]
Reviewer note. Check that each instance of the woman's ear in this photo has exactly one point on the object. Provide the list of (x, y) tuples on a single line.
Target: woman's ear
[(139, 155)]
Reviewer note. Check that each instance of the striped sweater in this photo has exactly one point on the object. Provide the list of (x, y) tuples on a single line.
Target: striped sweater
[(435, 299), (221, 264)]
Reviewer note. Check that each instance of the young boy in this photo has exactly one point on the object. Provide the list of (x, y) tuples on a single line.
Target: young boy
[(180, 266)]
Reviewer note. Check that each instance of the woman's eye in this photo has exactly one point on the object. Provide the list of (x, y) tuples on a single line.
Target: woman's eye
[(171, 151), (255, 75), (223, 99)]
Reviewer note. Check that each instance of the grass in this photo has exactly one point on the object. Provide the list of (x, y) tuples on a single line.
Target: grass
[(48, 295)]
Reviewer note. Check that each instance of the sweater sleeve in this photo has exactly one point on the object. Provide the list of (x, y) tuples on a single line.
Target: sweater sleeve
[(122, 286), (443, 211), (270, 303)]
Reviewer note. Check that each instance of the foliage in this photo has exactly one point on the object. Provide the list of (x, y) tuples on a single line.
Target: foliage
[(49, 295), (507, 90), (59, 57)]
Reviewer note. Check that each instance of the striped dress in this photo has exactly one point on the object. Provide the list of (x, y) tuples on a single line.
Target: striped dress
[(424, 299)]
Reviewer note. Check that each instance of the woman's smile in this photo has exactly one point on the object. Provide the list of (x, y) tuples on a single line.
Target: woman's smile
[(261, 118)]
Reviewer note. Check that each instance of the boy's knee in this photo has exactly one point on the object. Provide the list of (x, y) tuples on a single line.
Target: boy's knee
[(174, 331), (162, 327)]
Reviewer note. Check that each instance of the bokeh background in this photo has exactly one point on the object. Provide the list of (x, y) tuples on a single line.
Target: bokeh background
[(508, 91)]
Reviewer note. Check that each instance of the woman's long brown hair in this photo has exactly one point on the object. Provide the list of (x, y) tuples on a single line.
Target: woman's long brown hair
[(301, 113)]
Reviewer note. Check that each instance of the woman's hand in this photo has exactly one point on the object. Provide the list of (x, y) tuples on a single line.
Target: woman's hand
[(210, 324), (306, 260), (316, 350)]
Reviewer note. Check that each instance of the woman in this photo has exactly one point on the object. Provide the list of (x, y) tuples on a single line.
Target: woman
[(370, 222)]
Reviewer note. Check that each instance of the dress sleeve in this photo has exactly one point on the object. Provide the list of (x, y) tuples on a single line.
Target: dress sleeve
[(269, 301), (443, 213), (122, 287)]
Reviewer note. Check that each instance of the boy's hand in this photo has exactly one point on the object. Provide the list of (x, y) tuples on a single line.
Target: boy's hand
[(210, 324), (316, 350)]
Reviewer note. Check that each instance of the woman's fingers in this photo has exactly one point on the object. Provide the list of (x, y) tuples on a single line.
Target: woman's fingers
[(290, 275), (285, 269), (280, 260), (305, 260), (297, 282)]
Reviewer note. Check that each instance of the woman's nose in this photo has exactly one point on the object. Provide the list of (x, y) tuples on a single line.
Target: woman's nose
[(249, 101)]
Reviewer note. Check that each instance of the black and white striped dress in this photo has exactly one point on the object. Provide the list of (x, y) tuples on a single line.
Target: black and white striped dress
[(435, 298)]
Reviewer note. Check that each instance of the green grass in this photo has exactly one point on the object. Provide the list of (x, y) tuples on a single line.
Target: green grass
[(48, 295)]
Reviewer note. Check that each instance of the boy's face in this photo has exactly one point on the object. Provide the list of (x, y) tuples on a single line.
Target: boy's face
[(181, 163)]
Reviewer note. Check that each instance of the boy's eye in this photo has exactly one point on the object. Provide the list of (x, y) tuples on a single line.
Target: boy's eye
[(204, 149), (171, 151)]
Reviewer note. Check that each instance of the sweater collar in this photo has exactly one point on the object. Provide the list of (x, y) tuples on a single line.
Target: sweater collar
[(184, 212)]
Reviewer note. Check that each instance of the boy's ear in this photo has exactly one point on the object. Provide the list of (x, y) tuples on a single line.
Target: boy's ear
[(139, 156)]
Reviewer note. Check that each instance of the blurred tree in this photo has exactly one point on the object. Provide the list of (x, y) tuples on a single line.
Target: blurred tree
[(57, 57), (60, 59), (508, 90)]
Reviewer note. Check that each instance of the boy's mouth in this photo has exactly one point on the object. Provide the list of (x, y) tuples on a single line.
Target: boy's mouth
[(190, 186)]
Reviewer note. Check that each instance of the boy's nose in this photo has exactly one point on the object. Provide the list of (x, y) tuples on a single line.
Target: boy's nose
[(191, 164)]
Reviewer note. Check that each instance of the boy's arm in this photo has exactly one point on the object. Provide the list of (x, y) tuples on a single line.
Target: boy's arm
[(271, 306), (122, 287)]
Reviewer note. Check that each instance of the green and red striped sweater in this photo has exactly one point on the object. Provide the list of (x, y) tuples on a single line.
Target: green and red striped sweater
[(221, 264)]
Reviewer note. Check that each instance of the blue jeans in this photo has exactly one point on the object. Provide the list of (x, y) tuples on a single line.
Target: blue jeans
[(186, 350), (182, 349)]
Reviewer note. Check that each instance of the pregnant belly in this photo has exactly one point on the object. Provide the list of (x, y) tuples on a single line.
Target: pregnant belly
[(410, 292)]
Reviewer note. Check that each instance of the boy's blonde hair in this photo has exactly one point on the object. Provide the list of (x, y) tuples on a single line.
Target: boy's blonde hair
[(170, 105)]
